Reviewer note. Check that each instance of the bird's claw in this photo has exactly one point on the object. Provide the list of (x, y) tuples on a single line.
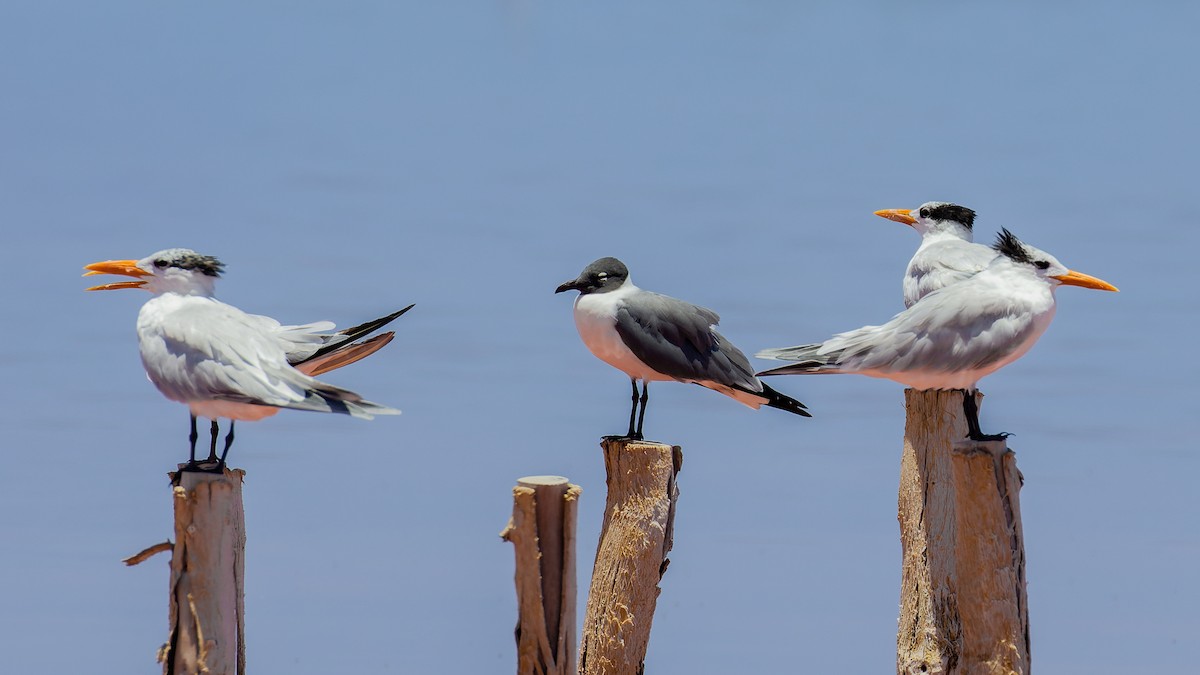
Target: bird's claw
[(986, 438), (624, 437), (205, 466)]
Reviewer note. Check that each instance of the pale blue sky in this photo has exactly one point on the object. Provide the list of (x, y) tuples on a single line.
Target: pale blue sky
[(346, 160)]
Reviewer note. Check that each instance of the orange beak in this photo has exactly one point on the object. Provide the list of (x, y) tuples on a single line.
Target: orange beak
[(1073, 278), (898, 215), (126, 268)]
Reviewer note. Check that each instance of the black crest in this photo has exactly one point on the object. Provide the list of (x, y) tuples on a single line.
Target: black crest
[(953, 212), (187, 259), (1008, 245), (206, 264)]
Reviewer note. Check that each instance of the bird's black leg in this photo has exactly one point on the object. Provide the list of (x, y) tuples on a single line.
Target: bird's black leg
[(212, 446), (642, 415), (192, 440), (971, 410), (633, 411), (225, 452)]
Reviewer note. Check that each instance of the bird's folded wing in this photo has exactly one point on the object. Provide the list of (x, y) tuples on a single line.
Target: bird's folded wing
[(340, 342), (214, 351), (960, 256), (954, 329), (676, 338)]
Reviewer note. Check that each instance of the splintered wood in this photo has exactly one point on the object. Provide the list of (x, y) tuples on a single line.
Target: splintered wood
[(207, 603), (963, 607), (631, 558), (542, 532)]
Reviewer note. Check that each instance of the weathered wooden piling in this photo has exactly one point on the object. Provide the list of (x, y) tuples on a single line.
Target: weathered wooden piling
[(542, 532), (963, 604), (631, 558)]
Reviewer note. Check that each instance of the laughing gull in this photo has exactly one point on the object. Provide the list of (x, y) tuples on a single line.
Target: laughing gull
[(652, 337)]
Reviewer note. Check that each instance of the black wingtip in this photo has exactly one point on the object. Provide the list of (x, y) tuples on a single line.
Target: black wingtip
[(784, 402), (390, 317), (798, 368), (372, 326), (355, 332)]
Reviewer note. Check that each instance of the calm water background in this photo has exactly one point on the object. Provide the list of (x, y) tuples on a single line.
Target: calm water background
[(345, 160)]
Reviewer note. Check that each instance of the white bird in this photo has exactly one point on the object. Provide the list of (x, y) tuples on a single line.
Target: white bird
[(224, 363), (947, 253), (654, 338), (954, 336)]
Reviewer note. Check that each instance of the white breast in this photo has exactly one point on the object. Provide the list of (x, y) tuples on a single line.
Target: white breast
[(596, 318)]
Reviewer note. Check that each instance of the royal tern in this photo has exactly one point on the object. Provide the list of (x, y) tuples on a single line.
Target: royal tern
[(954, 336), (224, 363), (947, 253), (652, 338)]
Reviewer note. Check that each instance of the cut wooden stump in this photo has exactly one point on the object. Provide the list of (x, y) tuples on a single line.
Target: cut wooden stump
[(207, 600), (963, 606), (639, 517), (542, 531)]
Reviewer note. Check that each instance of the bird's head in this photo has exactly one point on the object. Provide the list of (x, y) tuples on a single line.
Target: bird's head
[(1044, 265), (175, 270), (602, 276), (935, 217)]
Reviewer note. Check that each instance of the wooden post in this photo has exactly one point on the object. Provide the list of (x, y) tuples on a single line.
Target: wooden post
[(963, 607), (207, 625), (542, 531), (639, 518)]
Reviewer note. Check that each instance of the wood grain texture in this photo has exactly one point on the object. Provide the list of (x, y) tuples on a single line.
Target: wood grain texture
[(631, 558), (963, 604), (542, 532), (207, 600)]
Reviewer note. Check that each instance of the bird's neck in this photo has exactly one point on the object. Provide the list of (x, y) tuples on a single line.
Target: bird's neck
[(200, 288), (945, 232)]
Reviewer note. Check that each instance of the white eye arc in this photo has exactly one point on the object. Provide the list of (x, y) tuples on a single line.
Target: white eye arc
[(602, 275)]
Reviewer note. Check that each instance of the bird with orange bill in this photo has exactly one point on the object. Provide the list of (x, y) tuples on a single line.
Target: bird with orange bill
[(955, 335)]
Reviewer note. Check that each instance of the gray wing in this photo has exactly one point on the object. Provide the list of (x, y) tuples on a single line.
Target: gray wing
[(216, 351), (950, 330), (943, 264), (676, 338), (298, 342)]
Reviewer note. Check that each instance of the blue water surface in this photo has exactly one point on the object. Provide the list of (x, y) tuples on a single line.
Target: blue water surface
[(346, 159)]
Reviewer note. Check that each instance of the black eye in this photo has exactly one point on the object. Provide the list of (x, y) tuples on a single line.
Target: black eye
[(925, 212), (160, 264), (1042, 264)]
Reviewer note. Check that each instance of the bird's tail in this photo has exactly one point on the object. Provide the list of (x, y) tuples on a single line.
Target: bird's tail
[(344, 355), (808, 360), (366, 410), (351, 334), (328, 398), (324, 397), (784, 402)]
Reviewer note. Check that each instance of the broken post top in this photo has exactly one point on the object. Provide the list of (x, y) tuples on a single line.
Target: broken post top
[(542, 481), (196, 477), (629, 445)]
